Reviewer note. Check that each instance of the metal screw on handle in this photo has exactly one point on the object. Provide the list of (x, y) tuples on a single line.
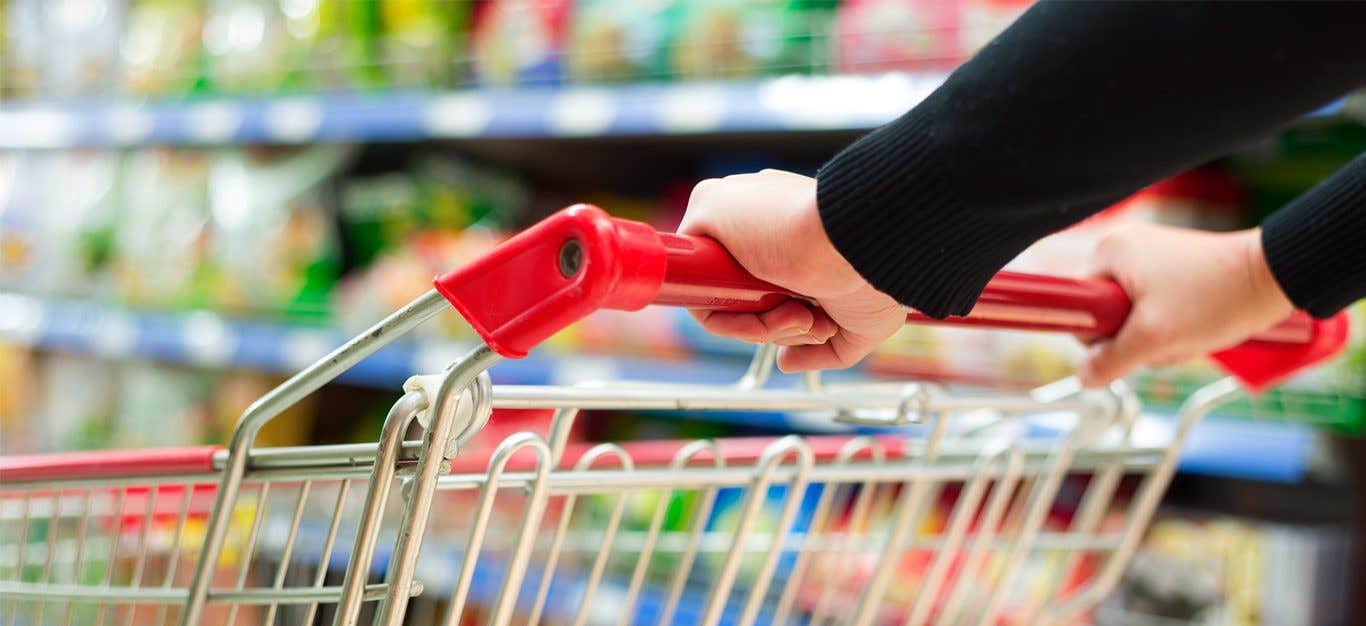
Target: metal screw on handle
[(571, 258)]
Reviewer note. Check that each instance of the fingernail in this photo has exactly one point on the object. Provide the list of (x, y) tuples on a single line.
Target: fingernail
[(790, 333)]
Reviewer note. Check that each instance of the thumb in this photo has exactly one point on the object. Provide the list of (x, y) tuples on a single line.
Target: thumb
[(1115, 358)]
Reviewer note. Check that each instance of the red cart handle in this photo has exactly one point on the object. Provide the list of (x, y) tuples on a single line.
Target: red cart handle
[(581, 259)]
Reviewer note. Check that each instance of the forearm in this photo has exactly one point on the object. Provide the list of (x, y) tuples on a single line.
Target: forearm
[(1316, 245), (1073, 108)]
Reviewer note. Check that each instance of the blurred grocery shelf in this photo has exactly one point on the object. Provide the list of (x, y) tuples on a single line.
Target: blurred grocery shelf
[(1237, 448), (786, 103), (207, 339)]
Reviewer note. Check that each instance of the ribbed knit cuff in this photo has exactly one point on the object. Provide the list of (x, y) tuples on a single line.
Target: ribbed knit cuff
[(890, 209), (1316, 245)]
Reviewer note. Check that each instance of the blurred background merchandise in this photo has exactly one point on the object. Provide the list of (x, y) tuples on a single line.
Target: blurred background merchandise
[(198, 197)]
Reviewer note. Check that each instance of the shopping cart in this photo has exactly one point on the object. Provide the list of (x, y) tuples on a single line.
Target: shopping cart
[(944, 507)]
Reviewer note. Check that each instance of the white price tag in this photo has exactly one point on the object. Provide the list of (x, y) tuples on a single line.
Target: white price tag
[(692, 110), (128, 125), (21, 319), (294, 121), (457, 115), (117, 335), (581, 112), (208, 340), (214, 122)]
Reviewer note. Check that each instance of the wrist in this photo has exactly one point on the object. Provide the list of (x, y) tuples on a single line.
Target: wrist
[(824, 267), (1265, 290)]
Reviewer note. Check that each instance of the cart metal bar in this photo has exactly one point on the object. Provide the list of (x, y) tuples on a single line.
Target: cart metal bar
[(571, 482), (272, 404), (469, 373), (396, 424), (713, 398), (1145, 504), (281, 469), (142, 595)]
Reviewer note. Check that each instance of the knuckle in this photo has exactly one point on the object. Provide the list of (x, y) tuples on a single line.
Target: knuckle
[(1111, 243), (1154, 332), (702, 190)]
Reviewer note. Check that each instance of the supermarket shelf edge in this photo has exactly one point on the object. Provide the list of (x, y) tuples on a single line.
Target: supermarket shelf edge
[(776, 104), (1225, 447)]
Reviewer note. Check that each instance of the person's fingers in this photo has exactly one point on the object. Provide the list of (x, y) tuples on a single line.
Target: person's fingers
[(820, 356), (798, 323), (799, 340), (840, 351), (1137, 343), (789, 319), (790, 322), (742, 326), (822, 327), (1106, 257), (697, 218)]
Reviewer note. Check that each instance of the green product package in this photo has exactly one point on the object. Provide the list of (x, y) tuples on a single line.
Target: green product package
[(458, 194), (355, 26), (332, 45), (423, 41), (620, 40), (380, 213), (377, 213), (744, 38)]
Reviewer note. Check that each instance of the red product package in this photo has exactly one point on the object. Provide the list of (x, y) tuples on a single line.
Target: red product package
[(886, 35)]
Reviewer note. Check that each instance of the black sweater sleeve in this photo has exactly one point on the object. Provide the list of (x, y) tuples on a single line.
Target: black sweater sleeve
[(1074, 107), (1316, 245)]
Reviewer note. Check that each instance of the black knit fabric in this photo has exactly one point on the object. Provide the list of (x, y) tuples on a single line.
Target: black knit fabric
[(1076, 106), (1316, 245)]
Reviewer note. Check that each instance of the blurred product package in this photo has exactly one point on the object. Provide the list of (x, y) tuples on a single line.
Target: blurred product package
[(19, 376), (77, 43), (1198, 569), (520, 41), (57, 215), (737, 38), (77, 401), (274, 240), (245, 45), (161, 46), (191, 48), (402, 227), (424, 43), (66, 402), (883, 35), (620, 40), (161, 244)]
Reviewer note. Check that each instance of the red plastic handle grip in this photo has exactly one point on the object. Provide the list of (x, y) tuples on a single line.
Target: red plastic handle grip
[(581, 259), (700, 274), (102, 463)]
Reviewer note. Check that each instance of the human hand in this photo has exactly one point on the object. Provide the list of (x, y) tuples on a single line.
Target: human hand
[(1193, 293), (769, 223)]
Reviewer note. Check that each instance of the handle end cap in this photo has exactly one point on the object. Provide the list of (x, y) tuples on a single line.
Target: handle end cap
[(1260, 365)]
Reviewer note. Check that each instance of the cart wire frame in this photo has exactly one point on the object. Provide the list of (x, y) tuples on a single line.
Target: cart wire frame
[(423, 469), (816, 529)]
